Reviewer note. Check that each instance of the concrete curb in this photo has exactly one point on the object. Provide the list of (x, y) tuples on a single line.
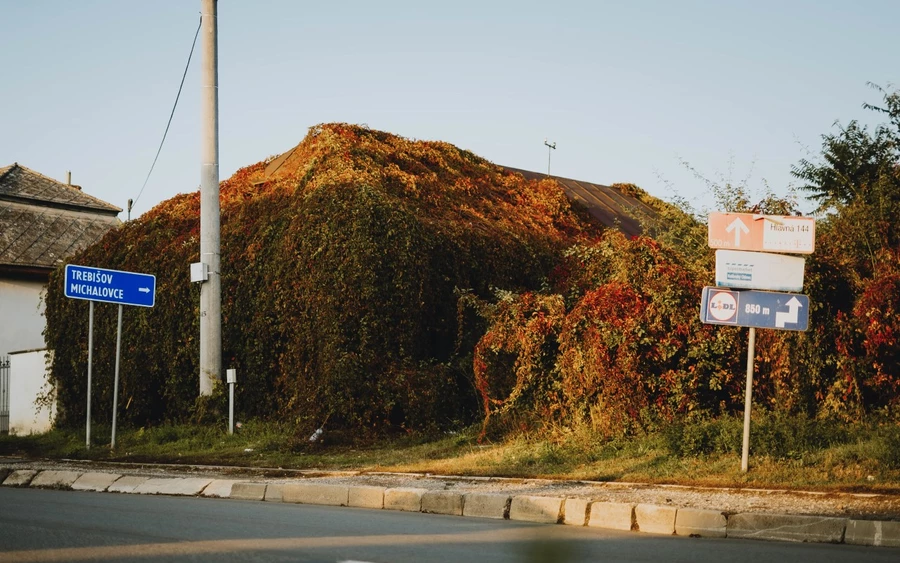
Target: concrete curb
[(486, 505), (190, 486), (126, 484), (219, 488), (654, 519), (443, 502), (19, 478), (704, 523), (536, 509), (273, 493), (403, 498), (612, 515), (55, 479), (98, 482), (366, 497), (248, 491), (311, 493), (646, 518), (786, 528), (874, 533), (576, 511)]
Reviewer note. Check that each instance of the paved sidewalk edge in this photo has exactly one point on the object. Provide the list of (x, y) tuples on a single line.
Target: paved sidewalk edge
[(643, 518)]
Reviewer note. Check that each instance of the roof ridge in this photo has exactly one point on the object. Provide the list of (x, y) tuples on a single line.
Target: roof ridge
[(16, 164), (73, 192)]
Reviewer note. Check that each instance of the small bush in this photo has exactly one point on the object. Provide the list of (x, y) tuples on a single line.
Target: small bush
[(777, 435), (702, 438), (887, 450)]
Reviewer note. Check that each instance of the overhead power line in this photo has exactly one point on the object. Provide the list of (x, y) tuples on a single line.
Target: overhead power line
[(171, 115)]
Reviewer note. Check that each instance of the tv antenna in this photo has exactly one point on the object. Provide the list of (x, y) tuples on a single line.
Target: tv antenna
[(550, 147)]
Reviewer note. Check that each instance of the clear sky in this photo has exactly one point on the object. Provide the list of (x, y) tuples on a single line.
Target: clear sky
[(627, 90)]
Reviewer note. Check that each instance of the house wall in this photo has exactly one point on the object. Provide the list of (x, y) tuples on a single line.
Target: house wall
[(27, 382), (21, 315)]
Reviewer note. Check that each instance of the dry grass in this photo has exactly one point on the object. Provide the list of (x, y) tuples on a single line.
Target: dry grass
[(863, 461)]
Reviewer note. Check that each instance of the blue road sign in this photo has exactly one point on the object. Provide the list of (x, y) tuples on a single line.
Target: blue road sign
[(761, 309), (110, 286)]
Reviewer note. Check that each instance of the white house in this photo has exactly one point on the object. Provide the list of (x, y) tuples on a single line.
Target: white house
[(42, 223)]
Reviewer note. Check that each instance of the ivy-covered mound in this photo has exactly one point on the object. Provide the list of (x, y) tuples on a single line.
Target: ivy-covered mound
[(342, 264)]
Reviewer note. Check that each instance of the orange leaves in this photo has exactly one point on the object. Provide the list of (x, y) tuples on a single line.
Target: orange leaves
[(628, 349)]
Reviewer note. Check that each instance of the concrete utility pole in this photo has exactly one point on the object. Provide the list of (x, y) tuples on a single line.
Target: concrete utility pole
[(210, 290)]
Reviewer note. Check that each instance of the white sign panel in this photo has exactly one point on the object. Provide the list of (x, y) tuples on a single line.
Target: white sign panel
[(759, 270), (789, 234)]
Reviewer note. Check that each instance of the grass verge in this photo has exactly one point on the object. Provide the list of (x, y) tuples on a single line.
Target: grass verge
[(785, 453)]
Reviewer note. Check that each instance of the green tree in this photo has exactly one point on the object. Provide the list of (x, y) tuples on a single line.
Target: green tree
[(850, 355)]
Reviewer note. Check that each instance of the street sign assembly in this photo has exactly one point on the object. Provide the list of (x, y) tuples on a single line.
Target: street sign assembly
[(759, 270), (766, 233), (110, 286), (743, 241), (761, 309)]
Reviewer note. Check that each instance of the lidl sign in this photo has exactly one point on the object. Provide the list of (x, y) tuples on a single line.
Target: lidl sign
[(761, 309)]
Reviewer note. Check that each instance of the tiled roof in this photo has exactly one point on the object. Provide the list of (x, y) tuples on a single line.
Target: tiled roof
[(43, 222), (18, 183), (611, 206)]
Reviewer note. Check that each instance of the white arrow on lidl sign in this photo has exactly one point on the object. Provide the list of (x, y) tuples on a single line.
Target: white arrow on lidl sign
[(793, 306)]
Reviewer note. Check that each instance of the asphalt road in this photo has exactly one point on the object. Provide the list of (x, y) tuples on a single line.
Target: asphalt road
[(46, 525)]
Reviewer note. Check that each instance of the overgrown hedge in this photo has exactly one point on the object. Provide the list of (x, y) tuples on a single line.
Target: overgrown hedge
[(340, 273)]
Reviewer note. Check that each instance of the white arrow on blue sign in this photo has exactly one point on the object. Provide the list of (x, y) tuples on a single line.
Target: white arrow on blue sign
[(110, 286), (761, 309)]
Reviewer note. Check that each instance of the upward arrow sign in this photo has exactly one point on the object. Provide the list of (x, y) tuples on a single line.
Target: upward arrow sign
[(791, 316), (737, 226)]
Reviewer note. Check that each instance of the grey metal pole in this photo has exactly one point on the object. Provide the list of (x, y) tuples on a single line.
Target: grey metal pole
[(112, 442), (211, 290), (550, 147), (87, 439), (748, 399), (231, 408)]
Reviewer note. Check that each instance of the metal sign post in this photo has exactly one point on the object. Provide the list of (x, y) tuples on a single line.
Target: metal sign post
[(748, 399), (231, 376), (112, 441), (108, 286), (87, 432)]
